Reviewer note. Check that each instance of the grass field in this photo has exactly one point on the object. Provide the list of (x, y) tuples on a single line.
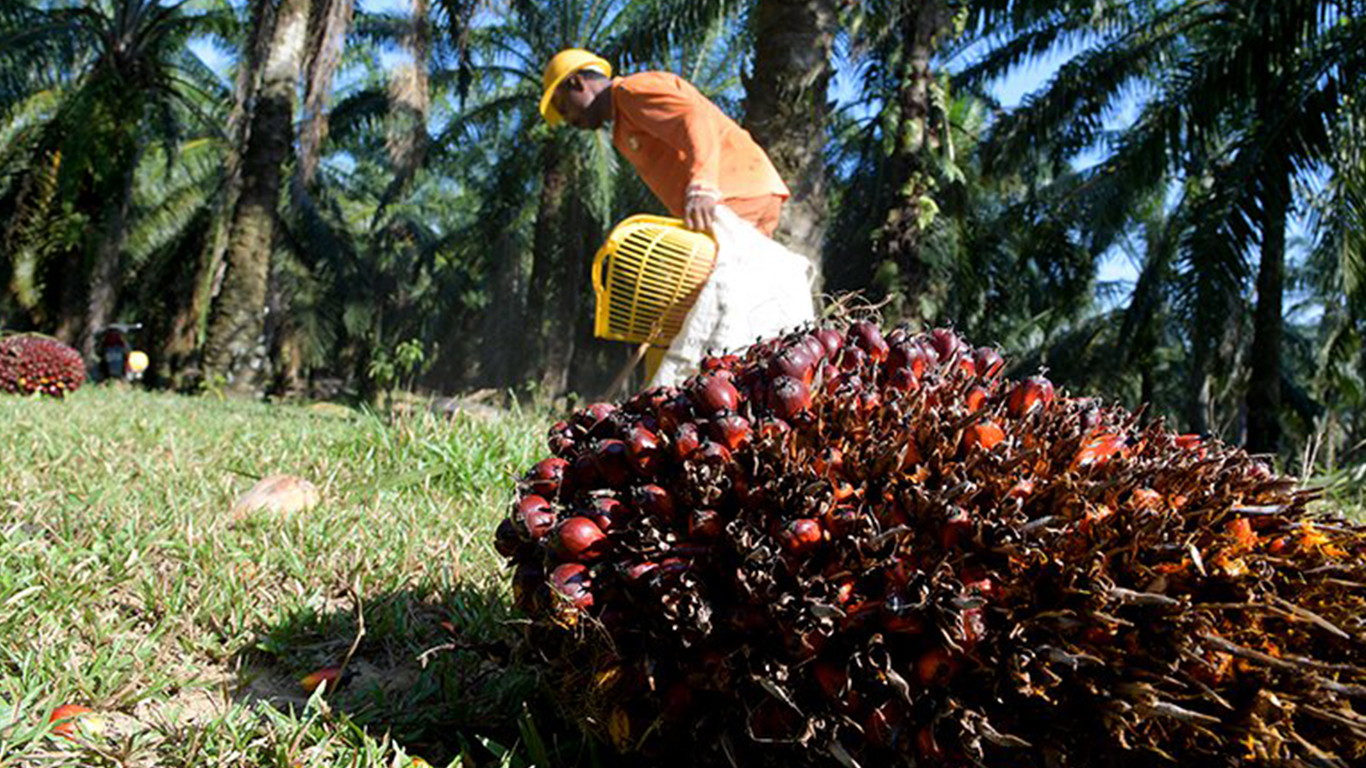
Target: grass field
[(127, 587)]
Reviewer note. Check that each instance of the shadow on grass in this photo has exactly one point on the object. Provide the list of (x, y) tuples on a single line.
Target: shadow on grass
[(440, 673)]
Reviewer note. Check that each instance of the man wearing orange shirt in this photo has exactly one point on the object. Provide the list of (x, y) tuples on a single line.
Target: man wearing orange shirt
[(686, 150)]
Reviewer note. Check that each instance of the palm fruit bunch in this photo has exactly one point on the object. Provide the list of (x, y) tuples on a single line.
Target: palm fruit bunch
[(845, 548), (30, 364)]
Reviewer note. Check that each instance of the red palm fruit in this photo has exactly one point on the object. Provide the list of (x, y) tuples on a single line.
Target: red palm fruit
[(1022, 489), (972, 625), (772, 428), (654, 503), (1240, 528), (546, 475), (1191, 443), (637, 571), (869, 401), (844, 590), (801, 536), (957, 529), (561, 439), (946, 343), (713, 454), (534, 516), (1099, 450), (858, 617), (674, 412), (795, 361), (642, 448), (936, 666), (831, 340), (984, 435), (64, 719), (613, 462), (789, 398), (573, 582), (1145, 498), (975, 398), (583, 472), (899, 616), (831, 378), (842, 519), (908, 355), (578, 539), (903, 380), (705, 524), (506, 539), (832, 679), (989, 362), (976, 581), (926, 746), (814, 347), (968, 367), (869, 338), (852, 359), (714, 363), (928, 351), (1033, 392), (590, 417), (730, 430), (606, 511), (886, 725), (686, 440), (829, 462), (712, 393)]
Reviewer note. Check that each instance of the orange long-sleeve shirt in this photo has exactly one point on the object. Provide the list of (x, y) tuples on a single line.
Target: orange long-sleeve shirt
[(676, 137)]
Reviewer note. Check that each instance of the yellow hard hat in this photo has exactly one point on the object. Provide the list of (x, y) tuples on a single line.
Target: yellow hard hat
[(564, 64), (137, 361)]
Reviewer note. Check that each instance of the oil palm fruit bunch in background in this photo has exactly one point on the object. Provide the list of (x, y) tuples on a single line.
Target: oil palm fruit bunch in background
[(30, 364), (850, 548)]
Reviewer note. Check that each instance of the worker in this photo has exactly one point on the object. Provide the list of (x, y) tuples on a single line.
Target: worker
[(686, 150), (709, 172)]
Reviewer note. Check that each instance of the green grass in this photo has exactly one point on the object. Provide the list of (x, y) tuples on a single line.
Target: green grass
[(127, 587)]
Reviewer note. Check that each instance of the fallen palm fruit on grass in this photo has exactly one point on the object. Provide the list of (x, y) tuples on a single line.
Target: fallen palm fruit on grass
[(37, 364), (848, 549), (64, 719)]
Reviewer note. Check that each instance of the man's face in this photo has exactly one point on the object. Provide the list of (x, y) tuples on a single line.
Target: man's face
[(573, 99)]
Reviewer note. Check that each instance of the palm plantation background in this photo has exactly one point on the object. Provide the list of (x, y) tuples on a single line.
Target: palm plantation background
[(364, 191)]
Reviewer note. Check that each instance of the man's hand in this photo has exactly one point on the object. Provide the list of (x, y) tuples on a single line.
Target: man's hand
[(699, 211)]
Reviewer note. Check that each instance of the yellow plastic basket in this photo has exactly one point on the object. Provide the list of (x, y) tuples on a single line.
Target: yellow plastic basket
[(647, 276)]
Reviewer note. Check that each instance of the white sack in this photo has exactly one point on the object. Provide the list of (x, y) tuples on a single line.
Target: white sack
[(758, 290)]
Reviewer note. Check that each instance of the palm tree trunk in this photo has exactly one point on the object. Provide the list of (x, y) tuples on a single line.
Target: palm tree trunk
[(1264, 382), (902, 234), (105, 282), (1198, 383), (501, 355), (189, 326), (786, 106), (547, 358), (234, 348)]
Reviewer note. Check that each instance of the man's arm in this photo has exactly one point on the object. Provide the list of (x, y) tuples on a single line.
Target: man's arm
[(678, 115)]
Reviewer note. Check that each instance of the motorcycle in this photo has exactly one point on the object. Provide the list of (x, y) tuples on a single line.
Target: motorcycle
[(115, 357)]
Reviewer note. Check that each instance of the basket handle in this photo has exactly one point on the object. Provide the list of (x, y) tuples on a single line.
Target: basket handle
[(598, 261)]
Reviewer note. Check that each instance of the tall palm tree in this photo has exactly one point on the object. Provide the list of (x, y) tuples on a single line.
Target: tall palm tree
[(1242, 94), (233, 347), (787, 107), (87, 84)]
